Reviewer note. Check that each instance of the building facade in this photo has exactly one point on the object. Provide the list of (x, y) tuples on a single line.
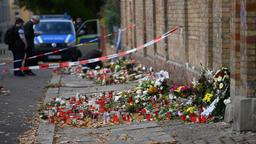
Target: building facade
[(212, 33), (5, 17)]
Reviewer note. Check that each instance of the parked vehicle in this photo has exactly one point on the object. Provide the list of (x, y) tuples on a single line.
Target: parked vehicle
[(56, 32), (89, 33)]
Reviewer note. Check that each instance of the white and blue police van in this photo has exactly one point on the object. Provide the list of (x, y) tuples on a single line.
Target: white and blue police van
[(55, 32)]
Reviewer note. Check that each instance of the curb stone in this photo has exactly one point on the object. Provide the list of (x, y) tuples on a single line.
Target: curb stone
[(45, 133)]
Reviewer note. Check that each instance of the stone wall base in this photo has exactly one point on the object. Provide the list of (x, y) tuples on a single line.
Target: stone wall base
[(242, 111), (179, 73)]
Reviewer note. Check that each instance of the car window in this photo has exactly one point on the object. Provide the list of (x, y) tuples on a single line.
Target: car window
[(53, 27)]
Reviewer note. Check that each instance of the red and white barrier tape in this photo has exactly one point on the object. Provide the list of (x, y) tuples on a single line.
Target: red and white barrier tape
[(103, 58), (63, 49)]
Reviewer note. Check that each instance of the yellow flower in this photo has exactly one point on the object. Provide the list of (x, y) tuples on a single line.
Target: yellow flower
[(191, 109), (152, 90), (178, 89), (207, 97)]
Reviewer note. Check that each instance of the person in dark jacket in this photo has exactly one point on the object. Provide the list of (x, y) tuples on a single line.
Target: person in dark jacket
[(19, 46), (78, 23), (30, 35)]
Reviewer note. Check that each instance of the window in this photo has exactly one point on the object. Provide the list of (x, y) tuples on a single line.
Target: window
[(53, 27)]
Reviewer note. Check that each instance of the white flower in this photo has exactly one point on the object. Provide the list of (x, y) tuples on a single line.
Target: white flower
[(139, 92), (227, 101), (179, 113), (194, 82), (219, 79), (117, 98), (136, 101), (157, 83), (137, 96), (189, 102), (221, 85), (171, 96), (58, 99), (145, 92), (62, 102)]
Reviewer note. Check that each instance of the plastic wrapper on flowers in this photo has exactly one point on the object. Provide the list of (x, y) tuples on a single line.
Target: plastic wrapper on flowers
[(204, 97)]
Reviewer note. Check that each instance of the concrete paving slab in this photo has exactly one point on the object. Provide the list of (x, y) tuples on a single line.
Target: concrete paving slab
[(147, 132), (75, 81), (45, 133), (55, 79), (50, 94)]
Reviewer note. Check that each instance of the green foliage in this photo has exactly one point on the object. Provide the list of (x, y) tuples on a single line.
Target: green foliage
[(111, 13), (76, 8)]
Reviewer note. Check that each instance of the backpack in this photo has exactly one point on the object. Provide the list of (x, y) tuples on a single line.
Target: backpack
[(9, 37)]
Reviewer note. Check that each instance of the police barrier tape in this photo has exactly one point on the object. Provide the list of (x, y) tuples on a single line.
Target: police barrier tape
[(67, 48), (103, 58)]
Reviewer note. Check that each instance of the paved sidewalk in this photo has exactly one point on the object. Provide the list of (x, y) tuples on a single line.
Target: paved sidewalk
[(19, 106), (5, 54), (169, 132)]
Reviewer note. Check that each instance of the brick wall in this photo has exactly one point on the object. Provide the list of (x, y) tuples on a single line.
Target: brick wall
[(203, 38), (149, 20), (161, 26), (197, 31), (139, 23), (243, 65), (235, 49), (248, 47), (123, 21), (213, 33), (177, 49), (221, 33)]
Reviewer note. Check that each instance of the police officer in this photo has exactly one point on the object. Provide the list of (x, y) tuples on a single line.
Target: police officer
[(78, 23), (19, 46), (30, 35)]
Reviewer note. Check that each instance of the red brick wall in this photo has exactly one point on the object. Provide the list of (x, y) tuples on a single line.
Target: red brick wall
[(248, 48), (235, 49)]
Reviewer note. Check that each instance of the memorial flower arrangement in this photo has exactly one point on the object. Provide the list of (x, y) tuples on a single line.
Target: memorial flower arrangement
[(204, 97), (151, 100), (75, 70), (121, 71)]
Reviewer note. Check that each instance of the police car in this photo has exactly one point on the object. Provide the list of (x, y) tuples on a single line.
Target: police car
[(55, 32)]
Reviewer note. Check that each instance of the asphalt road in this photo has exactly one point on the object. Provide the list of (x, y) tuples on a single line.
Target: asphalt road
[(17, 108)]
